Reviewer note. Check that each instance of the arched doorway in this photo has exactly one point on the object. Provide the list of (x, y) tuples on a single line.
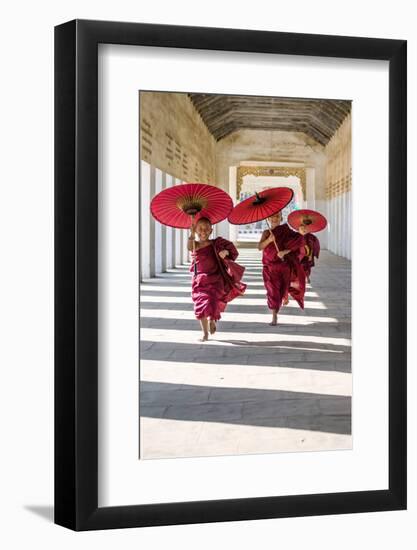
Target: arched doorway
[(249, 181)]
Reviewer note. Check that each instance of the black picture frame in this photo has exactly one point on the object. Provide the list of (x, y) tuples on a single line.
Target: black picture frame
[(76, 272)]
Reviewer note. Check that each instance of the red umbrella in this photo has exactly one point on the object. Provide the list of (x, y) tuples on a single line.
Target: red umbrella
[(314, 221), (180, 205), (261, 206)]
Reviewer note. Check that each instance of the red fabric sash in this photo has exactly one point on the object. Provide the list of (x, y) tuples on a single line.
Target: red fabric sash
[(231, 271)]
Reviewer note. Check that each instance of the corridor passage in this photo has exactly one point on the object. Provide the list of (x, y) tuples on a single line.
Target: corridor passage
[(252, 388)]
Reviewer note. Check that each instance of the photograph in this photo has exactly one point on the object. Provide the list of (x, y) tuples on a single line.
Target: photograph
[(245, 274), (209, 271)]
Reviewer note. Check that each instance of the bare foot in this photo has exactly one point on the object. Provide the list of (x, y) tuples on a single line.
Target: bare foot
[(204, 338), (212, 327), (274, 321), (285, 301)]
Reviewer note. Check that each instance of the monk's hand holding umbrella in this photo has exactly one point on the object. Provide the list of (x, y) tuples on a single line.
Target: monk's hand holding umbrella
[(271, 239), (223, 254), (283, 253), (192, 238)]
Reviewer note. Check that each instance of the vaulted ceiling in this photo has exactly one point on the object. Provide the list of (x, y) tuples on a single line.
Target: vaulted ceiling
[(318, 118)]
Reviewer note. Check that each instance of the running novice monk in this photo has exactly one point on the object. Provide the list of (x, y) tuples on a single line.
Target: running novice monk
[(312, 250), (276, 267), (216, 278)]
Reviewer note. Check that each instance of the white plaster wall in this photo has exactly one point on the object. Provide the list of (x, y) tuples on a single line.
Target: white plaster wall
[(265, 147)]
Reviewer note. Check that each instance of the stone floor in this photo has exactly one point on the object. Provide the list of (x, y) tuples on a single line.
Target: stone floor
[(253, 388)]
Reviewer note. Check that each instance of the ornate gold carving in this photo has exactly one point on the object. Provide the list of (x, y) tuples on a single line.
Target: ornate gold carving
[(272, 171)]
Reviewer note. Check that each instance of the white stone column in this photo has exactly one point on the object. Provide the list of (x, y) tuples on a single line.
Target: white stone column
[(233, 229), (222, 229), (344, 228), (169, 181), (145, 215), (164, 232), (322, 206), (178, 238), (335, 225), (348, 215), (159, 228), (340, 224), (331, 226), (185, 234), (339, 238), (310, 188), (152, 246)]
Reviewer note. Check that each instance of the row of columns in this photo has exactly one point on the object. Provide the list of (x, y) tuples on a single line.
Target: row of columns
[(339, 214), (161, 247), (338, 184)]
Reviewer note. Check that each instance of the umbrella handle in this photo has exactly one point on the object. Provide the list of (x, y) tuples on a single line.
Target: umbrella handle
[(270, 230), (195, 263)]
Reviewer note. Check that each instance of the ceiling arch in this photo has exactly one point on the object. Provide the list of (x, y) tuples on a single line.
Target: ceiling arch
[(224, 114)]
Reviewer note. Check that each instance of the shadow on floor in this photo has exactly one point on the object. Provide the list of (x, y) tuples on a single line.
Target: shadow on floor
[(243, 406), (239, 306), (319, 359), (337, 329), (45, 512)]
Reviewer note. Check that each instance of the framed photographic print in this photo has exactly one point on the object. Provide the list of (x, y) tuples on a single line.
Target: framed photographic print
[(230, 275)]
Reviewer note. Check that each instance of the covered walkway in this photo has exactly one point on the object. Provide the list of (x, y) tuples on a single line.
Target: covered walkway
[(252, 388)]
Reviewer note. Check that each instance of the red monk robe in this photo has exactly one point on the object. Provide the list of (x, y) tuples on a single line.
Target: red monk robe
[(277, 273), (312, 250), (217, 281), (297, 286)]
